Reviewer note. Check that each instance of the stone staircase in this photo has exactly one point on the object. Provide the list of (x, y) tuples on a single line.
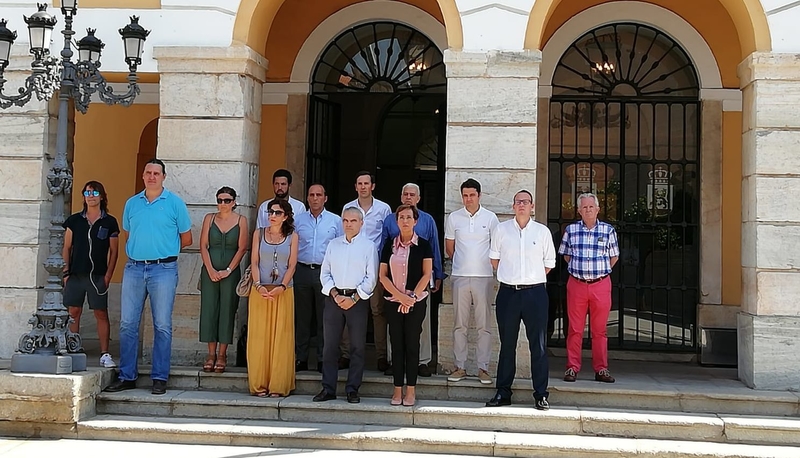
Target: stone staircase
[(705, 418)]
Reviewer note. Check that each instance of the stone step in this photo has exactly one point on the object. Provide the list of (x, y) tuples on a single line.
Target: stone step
[(347, 436), (457, 415), (640, 393)]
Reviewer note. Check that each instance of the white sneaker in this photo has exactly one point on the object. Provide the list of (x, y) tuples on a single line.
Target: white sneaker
[(106, 361)]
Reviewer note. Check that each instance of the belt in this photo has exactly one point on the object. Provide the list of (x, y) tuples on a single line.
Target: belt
[(157, 261), (589, 282), (310, 266), (519, 287), (346, 292)]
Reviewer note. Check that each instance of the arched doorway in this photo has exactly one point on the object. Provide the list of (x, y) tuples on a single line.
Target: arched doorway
[(377, 99), (625, 124)]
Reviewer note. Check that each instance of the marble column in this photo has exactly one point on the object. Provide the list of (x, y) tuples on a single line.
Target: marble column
[(491, 136), (28, 138), (208, 136), (769, 324)]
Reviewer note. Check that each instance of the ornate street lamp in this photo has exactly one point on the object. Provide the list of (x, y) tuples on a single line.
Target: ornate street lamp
[(40, 348)]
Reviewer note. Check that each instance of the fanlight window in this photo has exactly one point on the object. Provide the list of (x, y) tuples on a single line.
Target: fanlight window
[(380, 57), (625, 60)]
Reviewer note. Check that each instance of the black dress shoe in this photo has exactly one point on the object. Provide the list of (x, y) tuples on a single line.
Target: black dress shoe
[(300, 366), (498, 401), (423, 370), (323, 396), (121, 385), (319, 367), (383, 364), (353, 397), (389, 371), (542, 404), (159, 387), (344, 363)]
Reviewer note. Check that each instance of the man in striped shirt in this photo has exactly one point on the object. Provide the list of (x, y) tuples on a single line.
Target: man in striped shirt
[(591, 249)]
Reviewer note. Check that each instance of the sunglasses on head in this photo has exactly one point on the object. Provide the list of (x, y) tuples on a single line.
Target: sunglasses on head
[(275, 212), (92, 193), (225, 201)]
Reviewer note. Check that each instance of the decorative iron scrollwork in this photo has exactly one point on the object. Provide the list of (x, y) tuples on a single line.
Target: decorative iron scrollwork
[(380, 57)]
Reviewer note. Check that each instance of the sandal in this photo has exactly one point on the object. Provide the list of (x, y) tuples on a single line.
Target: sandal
[(208, 366), (261, 394), (222, 362)]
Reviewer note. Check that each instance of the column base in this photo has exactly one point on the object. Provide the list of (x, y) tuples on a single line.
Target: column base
[(41, 364), (768, 349)]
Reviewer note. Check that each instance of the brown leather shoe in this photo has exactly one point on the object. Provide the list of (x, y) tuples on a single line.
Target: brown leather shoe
[(604, 376), (570, 375)]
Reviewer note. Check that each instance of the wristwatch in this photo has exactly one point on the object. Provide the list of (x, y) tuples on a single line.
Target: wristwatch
[(228, 269), (413, 295)]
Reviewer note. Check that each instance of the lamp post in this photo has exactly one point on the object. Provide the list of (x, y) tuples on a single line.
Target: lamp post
[(43, 348)]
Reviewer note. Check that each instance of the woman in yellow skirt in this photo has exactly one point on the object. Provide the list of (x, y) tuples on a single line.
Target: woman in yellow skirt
[(270, 321)]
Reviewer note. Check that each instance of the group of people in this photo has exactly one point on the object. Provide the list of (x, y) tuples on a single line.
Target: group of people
[(310, 265)]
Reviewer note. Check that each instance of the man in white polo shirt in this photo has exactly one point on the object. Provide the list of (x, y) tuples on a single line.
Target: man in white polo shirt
[(467, 233), (523, 253)]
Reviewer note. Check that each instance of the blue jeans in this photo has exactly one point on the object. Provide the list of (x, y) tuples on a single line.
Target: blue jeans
[(159, 281)]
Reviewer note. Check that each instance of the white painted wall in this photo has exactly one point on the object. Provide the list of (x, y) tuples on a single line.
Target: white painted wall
[(783, 17), (487, 25)]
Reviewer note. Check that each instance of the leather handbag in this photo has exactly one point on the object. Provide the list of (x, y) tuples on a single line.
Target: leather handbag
[(245, 284)]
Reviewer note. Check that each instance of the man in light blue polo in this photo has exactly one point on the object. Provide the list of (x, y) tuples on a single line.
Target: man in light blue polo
[(158, 226)]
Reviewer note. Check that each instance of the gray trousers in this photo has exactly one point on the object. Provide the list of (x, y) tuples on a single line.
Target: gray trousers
[(469, 291), (335, 320)]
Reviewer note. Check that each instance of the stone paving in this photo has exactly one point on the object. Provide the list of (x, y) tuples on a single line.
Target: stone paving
[(22, 448)]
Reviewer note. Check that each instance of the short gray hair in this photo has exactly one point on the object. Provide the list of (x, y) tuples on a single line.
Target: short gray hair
[(354, 209), (412, 185), (588, 195)]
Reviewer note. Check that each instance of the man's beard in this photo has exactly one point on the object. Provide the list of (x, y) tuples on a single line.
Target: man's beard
[(281, 196)]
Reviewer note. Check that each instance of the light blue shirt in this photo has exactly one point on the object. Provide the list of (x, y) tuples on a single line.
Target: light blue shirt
[(350, 265), (315, 234), (154, 228), (425, 228)]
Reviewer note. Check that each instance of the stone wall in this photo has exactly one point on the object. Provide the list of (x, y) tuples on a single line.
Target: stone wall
[(491, 136), (28, 135), (209, 136), (769, 325)]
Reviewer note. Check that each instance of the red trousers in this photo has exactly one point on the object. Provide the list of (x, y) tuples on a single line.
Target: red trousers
[(594, 298)]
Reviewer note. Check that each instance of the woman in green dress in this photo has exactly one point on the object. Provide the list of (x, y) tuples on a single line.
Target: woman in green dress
[(223, 243)]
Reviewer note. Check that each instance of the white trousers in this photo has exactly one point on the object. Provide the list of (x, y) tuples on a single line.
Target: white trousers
[(469, 291)]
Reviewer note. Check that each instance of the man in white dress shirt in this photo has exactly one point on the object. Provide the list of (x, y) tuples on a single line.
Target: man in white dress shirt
[(349, 273), (375, 211), (281, 182), (523, 253), (467, 233)]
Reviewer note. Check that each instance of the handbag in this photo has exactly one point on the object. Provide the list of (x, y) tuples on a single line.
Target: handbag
[(245, 284)]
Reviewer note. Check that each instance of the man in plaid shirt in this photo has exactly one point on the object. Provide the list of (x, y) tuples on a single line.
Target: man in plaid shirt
[(590, 248)]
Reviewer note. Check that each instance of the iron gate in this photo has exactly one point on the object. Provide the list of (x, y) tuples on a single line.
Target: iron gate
[(627, 128), (322, 155)]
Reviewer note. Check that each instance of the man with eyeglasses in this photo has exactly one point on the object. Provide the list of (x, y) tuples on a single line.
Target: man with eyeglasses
[(158, 226), (590, 248), (522, 251), (281, 182), (315, 229)]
